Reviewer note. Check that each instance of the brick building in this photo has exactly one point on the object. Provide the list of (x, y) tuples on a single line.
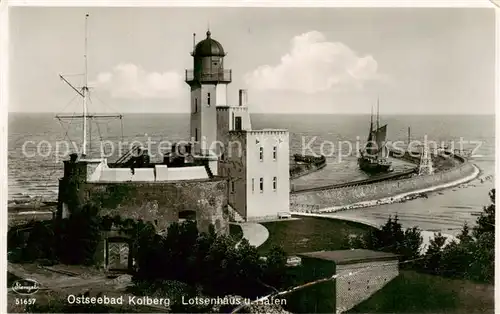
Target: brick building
[(360, 272)]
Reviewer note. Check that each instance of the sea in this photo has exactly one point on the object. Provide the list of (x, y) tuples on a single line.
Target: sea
[(38, 143)]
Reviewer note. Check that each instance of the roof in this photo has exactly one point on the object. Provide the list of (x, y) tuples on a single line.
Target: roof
[(350, 256), (209, 47)]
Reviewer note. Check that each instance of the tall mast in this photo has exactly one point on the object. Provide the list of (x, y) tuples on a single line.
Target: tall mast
[(371, 119), (379, 149), (378, 113), (84, 94)]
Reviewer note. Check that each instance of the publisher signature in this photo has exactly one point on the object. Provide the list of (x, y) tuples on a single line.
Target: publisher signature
[(26, 286)]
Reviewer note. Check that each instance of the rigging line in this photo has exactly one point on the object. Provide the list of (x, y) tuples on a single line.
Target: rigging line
[(102, 102), (121, 123), (90, 122), (97, 124), (100, 138), (69, 103), (54, 169), (67, 129)]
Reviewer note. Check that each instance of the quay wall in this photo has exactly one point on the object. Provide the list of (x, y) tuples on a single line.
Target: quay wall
[(314, 200)]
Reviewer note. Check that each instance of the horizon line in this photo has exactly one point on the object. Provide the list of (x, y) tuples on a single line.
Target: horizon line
[(277, 113)]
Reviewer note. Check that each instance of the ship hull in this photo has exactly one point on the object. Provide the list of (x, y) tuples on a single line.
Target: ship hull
[(373, 166)]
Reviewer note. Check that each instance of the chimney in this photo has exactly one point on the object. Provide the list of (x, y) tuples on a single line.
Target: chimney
[(243, 98)]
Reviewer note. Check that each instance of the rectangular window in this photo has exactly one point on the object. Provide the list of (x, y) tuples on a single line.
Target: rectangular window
[(237, 123), (275, 152), (261, 153), (253, 185), (275, 183), (196, 105), (208, 99), (232, 186), (196, 134), (261, 185)]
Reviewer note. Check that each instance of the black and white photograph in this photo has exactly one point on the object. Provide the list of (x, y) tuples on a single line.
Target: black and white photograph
[(245, 159)]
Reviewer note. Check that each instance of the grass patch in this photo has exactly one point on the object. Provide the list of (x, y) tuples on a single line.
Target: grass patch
[(235, 232), (310, 234), (413, 292)]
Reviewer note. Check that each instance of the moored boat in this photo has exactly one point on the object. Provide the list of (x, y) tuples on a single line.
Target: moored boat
[(373, 156)]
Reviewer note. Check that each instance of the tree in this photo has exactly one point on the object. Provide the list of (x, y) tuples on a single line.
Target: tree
[(411, 244), (275, 267), (82, 233), (465, 236), (433, 255), (391, 238), (486, 222)]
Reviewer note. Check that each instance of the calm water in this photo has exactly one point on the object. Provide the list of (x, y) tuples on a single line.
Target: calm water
[(38, 175)]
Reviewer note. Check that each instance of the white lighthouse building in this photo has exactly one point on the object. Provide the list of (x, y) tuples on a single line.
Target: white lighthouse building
[(256, 162)]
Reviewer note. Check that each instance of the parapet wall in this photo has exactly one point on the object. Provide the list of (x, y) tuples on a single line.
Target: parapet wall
[(354, 194)]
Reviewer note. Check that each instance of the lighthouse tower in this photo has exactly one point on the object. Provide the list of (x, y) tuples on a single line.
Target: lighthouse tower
[(208, 81)]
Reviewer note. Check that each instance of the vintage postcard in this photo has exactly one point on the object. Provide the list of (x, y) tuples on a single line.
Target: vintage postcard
[(251, 159)]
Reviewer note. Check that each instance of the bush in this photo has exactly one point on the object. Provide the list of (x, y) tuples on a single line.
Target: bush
[(473, 257), (210, 262), (391, 238), (82, 233)]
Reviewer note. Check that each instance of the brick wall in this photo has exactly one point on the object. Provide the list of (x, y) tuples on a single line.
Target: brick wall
[(365, 279)]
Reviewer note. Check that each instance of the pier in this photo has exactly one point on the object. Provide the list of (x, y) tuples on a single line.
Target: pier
[(448, 170)]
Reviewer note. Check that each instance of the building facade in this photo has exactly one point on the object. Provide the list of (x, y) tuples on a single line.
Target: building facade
[(255, 162)]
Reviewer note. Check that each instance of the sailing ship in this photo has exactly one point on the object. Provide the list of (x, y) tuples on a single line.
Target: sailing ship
[(372, 159)]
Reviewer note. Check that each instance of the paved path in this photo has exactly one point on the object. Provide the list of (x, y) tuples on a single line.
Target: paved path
[(255, 233), (426, 235)]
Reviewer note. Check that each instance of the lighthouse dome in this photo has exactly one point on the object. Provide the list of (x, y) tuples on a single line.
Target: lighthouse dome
[(209, 48)]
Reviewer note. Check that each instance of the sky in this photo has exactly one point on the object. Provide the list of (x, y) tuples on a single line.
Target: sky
[(303, 60)]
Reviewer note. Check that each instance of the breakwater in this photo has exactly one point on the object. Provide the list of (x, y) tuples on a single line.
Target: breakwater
[(303, 165), (351, 195)]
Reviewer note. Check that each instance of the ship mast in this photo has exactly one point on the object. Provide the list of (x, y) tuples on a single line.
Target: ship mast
[(371, 119), (377, 113), (84, 93), (379, 149)]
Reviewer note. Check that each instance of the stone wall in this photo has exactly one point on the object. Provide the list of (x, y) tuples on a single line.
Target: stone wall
[(365, 279), (157, 202), (353, 194)]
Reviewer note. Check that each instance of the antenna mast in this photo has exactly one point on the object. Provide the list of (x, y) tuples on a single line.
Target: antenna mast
[(84, 94)]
